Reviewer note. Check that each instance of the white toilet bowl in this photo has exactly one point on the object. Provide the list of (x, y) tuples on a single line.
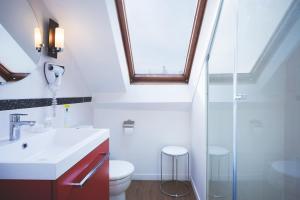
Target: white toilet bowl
[(119, 178)]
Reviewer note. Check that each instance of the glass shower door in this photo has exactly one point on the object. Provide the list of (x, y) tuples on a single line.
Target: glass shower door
[(220, 107), (268, 103)]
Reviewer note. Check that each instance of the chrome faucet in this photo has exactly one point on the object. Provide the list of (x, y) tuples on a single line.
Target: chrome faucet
[(15, 124)]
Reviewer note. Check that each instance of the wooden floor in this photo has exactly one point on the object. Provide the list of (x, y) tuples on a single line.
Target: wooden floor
[(150, 190)]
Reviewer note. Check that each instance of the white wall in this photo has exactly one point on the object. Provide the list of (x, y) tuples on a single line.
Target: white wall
[(176, 96), (205, 37), (80, 114), (91, 41), (34, 86), (199, 137), (153, 130), (198, 113), (292, 107)]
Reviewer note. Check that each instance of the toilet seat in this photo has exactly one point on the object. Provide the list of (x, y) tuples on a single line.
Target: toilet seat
[(119, 169)]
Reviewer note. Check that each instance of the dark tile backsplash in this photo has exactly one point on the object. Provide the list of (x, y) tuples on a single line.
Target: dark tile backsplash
[(12, 104)]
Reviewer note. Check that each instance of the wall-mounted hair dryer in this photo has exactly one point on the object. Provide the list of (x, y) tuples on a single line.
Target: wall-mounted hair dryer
[(53, 74)]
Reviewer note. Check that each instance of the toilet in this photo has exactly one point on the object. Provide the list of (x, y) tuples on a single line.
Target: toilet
[(119, 178)]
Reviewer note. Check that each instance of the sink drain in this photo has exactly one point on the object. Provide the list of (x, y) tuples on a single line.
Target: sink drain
[(24, 145)]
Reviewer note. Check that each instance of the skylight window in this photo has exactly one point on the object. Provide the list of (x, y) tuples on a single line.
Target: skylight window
[(160, 37)]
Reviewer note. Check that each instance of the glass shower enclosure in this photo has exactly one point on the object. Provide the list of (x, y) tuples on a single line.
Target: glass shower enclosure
[(254, 102)]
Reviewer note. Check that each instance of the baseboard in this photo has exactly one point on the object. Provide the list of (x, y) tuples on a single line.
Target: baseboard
[(195, 190), (146, 177)]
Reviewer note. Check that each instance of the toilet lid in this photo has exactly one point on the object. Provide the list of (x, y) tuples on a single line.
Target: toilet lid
[(119, 169)]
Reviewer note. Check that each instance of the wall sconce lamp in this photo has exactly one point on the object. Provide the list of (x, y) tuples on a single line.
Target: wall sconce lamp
[(56, 39), (59, 39), (38, 44)]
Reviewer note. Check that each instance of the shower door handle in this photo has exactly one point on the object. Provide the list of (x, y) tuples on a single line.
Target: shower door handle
[(241, 97)]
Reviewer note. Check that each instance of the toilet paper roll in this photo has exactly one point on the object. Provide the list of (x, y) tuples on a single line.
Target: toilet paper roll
[(128, 131)]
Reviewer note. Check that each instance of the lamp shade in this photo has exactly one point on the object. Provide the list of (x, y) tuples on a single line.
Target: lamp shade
[(59, 38), (37, 38)]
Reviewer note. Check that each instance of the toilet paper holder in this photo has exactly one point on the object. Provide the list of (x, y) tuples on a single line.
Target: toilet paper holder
[(128, 124)]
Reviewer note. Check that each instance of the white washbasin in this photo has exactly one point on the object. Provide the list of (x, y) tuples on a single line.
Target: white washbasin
[(289, 168), (47, 155), (284, 176)]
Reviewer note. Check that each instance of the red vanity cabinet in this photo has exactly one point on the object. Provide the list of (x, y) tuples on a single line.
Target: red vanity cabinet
[(86, 180), (95, 188), (25, 189)]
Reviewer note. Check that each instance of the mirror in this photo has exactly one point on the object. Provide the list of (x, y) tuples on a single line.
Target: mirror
[(18, 56)]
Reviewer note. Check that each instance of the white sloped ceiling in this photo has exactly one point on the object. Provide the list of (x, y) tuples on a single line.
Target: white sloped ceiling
[(89, 37)]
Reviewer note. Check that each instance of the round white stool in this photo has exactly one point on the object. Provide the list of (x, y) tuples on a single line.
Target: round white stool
[(175, 152), (219, 161)]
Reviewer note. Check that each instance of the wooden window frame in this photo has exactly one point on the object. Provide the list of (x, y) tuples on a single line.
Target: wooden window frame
[(156, 78)]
